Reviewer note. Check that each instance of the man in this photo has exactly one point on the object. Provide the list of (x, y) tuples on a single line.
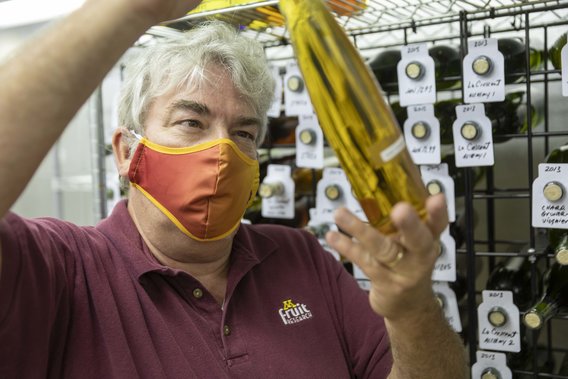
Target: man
[(171, 285)]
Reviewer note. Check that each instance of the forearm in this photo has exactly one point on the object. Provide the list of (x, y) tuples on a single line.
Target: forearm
[(47, 81), (424, 346)]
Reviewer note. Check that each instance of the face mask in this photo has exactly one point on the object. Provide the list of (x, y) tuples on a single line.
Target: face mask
[(204, 189)]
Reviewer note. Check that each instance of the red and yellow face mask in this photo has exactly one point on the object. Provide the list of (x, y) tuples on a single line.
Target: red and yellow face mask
[(204, 189)]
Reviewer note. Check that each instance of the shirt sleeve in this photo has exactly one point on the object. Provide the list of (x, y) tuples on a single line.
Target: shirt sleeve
[(367, 344), (34, 293)]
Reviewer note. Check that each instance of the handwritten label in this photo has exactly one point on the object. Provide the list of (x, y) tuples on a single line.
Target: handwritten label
[(547, 214), (421, 89), (309, 155), (429, 173), (478, 152), (450, 306), (491, 86), (275, 108), (497, 362), (298, 102), (502, 338), (282, 206), (426, 150)]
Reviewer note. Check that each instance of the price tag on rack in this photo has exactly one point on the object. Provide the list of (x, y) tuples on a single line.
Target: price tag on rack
[(437, 179), (416, 76), (309, 142), (447, 299), (422, 134), (445, 267), (491, 365), (484, 72), (276, 107), (564, 60), (549, 196), (473, 138), (296, 99), (499, 322), (277, 192)]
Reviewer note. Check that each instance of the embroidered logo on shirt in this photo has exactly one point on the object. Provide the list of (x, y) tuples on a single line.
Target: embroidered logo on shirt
[(294, 313)]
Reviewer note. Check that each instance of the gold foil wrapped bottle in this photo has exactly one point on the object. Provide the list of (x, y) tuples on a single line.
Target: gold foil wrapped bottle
[(355, 118)]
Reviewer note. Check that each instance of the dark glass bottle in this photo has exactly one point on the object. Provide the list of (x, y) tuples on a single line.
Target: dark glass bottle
[(556, 51), (513, 274), (514, 52), (447, 62), (554, 298), (384, 67)]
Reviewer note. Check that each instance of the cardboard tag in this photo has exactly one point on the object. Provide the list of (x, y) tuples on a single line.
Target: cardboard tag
[(422, 134), (449, 303), (484, 72), (436, 178), (320, 227), (473, 137), (505, 336), (309, 142), (416, 76), (445, 267), (276, 107), (552, 180), (490, 362), (296, 98), (280, 205)]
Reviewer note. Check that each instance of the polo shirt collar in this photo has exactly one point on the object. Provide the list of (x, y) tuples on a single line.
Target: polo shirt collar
[(250, 246)]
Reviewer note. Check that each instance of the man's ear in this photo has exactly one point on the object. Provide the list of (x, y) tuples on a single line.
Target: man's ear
[(121, 151)]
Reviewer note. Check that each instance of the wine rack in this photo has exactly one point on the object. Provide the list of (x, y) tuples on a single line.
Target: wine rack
[(502, 200)]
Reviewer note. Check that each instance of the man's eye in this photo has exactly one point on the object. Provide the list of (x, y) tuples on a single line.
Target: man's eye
[(191, 123), (247, 135)]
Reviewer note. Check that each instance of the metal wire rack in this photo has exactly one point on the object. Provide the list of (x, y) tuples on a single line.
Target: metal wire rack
[(263, 19)]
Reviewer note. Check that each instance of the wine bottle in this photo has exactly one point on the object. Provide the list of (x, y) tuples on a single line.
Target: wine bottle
[(354, 117), (507, 117), (281, 131), (556, 51), (558, 243), (514, 52), (554, 299), (447, 62), (513, 274), (384, 67)]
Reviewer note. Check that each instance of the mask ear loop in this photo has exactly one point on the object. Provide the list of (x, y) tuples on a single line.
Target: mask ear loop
[(136, 135)]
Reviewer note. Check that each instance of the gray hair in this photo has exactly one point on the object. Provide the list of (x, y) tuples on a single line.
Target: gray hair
[(182, 61)]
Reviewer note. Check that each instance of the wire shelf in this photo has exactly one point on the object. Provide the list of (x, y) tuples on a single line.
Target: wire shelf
[(263, 20)]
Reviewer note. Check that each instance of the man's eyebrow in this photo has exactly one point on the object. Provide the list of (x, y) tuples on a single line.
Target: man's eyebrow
[(244, 121), (188, 105)]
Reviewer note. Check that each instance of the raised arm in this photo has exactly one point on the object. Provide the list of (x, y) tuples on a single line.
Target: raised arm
[(400, 269), (48, 79)]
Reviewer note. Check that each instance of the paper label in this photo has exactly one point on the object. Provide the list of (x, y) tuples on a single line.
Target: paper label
[(490, 361), (423, 149), (315, 221), (326, 206), (501, 338), (445, 267), (296, 98), (478, 152), (280, 206), (309, 155), (545, 213), (362, 279), (431, 174), (451, 311), (491, 86), (418, 90), (276, 107)]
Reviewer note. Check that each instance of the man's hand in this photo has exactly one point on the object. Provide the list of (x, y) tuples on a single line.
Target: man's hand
[(156, 11), (399, 266)]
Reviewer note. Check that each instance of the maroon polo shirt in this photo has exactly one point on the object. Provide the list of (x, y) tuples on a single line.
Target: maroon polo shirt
[(93, 302)]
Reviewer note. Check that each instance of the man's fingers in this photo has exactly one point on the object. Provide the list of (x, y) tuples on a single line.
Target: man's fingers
[(414, 234), (437, 209), (384, 249)]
